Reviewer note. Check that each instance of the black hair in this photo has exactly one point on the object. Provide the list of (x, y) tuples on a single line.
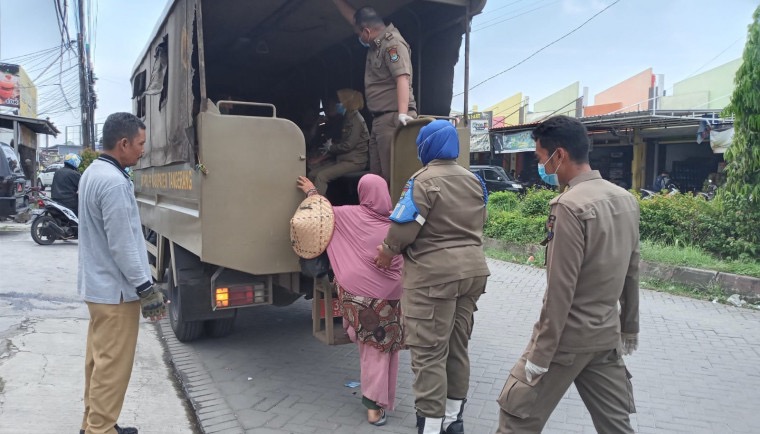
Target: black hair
[(119, 126), (367, 17), (564, 132)]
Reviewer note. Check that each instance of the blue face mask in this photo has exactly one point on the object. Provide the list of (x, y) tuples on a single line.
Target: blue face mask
[(549, 178), (340, 108), (364, 44)]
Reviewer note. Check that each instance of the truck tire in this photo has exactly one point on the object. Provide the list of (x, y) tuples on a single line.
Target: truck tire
[(219, 328), (185, 331)]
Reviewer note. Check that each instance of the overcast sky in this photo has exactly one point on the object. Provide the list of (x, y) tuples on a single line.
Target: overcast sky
[(677, 38)]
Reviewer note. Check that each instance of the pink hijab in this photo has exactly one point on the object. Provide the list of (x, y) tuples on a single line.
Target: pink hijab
[(359, 229)]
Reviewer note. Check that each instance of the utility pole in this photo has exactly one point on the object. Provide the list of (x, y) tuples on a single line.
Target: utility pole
[(85, 100)]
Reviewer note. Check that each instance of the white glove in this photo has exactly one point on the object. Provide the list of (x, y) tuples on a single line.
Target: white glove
[(404, 118), (326, 146), (533, 370), (630, 343)]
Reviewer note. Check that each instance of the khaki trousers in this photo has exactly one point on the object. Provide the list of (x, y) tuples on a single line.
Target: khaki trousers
[(602, 380), (438, 323), (381, 141), (322, 175), (111, 343)]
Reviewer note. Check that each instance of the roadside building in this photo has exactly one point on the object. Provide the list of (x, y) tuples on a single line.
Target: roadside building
[(637, 128)]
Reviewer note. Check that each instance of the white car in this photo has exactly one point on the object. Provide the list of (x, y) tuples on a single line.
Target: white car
[(45, 178)]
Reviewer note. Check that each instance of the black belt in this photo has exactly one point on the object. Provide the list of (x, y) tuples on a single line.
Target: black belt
[(378, 114)]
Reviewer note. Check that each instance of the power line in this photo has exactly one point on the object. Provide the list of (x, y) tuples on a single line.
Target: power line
[(500, 8), (542, 48), (512, 17), (27, 56)]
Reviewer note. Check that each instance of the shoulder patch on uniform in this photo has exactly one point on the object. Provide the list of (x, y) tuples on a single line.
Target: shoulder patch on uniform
[(549, 229), (393, 54), (483, 186), (406, 210)]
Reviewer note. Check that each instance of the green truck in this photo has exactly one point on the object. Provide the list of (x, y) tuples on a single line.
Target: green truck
[(222, 86)]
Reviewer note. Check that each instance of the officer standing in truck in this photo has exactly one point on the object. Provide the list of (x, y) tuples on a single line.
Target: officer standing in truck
[(387, 81)]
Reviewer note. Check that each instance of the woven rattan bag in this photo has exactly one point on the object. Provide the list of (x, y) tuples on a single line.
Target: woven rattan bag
[(311, 228)]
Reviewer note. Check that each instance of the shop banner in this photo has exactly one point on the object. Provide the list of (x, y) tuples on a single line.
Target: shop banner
[(506, 143), (480, 123), (10, 93)]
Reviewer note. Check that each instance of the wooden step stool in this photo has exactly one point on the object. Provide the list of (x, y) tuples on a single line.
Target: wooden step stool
[(324, 328)]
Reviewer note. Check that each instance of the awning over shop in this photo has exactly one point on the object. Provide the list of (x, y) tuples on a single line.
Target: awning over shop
[(39, 126), (660, 124)]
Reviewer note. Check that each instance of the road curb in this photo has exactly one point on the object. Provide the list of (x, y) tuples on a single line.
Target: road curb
[(746, 286), (14, 227), (212, 412)]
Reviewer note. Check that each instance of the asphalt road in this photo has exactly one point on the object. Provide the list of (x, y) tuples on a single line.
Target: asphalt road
[(43, 329)]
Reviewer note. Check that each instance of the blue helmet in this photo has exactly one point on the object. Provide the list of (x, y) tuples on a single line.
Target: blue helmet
[(72, 160)]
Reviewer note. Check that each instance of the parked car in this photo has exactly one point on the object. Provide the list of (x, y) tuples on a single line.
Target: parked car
[(12, 182), (497, 179), (45, 178)]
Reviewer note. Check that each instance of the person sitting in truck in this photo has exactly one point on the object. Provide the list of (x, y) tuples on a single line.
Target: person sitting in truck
[(348, 155), (65, 189), (369, 295)]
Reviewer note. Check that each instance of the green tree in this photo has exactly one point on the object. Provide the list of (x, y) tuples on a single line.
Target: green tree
[(743, 157), (88, 156)]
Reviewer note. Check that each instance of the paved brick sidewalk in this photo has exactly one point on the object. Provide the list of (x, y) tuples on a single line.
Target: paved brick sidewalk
[(696, 370)]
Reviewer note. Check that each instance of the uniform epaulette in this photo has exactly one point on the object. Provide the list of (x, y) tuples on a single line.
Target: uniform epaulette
[(415, 174)]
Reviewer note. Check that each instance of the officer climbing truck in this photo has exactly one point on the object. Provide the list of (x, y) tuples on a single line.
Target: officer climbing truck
[(222, 86)]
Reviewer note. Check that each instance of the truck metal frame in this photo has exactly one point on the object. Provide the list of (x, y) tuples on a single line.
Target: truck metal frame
[(219, 86)]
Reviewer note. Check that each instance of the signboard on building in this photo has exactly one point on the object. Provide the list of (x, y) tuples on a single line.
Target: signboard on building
[(509, 143), (480, 123), (17, 91)]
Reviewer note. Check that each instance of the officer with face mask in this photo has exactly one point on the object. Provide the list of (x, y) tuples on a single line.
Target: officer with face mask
[(387, 81), (590, 313), (349, 154)]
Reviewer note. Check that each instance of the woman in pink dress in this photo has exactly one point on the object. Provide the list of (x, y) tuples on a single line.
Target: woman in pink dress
[(369, 295)]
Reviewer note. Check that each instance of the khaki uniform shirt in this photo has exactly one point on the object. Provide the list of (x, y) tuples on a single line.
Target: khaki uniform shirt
[(354, 140), (449, 245), (592, 263), (388, 57)]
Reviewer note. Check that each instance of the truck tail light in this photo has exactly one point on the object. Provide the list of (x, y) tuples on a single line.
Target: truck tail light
[(240, 295)]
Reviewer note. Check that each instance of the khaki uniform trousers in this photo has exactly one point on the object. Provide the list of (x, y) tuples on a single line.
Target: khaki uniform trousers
[(602, 380), (111, 342), (380, 142), (438, 323), (322, 175)]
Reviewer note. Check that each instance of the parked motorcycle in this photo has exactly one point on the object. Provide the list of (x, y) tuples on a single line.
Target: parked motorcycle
[(671, 188), (52, 222), (710, 191)]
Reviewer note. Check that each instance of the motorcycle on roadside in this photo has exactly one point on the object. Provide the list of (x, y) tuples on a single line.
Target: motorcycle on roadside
[(710, 190), (53, 221), (672, 189)]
